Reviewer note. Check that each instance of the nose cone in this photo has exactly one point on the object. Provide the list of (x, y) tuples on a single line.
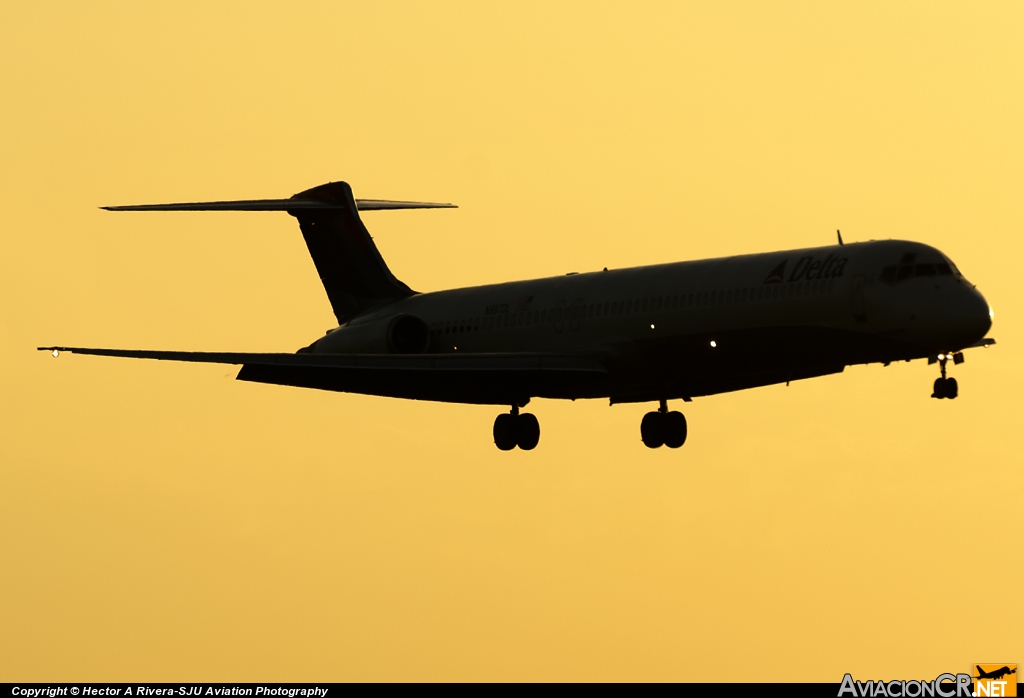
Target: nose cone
[(971, 317)]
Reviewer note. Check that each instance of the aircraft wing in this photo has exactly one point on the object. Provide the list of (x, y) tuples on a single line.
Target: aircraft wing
[(517, 361), (492, 378)]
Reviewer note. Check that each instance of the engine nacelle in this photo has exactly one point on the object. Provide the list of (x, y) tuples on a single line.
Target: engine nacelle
[(399, 334)]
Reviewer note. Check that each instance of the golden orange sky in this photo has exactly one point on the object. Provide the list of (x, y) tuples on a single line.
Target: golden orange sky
[(165, 522)]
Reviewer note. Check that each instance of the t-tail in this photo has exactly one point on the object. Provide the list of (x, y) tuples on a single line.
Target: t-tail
[(353, 273)]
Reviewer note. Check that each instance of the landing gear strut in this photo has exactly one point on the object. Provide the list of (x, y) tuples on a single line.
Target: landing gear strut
[(515, 429), (946, 387), (663, 428)]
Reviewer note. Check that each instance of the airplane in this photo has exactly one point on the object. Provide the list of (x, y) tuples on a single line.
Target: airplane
[(644, 334), (995, 674)]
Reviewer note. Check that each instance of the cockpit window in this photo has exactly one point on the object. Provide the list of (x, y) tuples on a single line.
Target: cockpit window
[(909, 268)]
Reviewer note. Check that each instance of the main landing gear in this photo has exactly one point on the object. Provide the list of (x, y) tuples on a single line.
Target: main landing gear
[(946, 387), (514, 429), (663, 428)]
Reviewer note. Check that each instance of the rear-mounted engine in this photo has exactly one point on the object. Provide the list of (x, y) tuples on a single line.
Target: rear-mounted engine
[(398, 334)]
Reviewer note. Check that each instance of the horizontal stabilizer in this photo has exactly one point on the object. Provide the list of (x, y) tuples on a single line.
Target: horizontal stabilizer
[(280, 205), (401, 362)]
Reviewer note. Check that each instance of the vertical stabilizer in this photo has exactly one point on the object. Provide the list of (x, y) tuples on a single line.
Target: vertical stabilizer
[(350, 266)]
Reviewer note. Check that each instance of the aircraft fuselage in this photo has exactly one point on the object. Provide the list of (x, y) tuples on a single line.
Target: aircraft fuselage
[(687, 329)]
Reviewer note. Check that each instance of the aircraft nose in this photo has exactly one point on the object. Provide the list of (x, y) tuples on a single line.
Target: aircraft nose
[(973, 316)]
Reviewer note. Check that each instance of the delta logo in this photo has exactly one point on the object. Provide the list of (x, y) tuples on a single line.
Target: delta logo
[(808, 269), (995, 680)]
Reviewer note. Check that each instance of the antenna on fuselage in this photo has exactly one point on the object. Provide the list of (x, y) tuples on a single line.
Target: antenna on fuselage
[(840, 236)]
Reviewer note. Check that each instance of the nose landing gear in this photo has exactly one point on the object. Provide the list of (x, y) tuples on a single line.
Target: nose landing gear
[(946, 387), (663, 428), (515, 429)]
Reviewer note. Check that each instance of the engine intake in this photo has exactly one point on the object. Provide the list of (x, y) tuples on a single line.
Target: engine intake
[(399, 334), (407, 334)]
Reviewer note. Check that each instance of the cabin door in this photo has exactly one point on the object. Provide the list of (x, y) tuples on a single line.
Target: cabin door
[(857, 298)]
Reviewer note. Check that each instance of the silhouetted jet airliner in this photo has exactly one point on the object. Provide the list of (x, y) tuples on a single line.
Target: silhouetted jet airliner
[(646, 334)]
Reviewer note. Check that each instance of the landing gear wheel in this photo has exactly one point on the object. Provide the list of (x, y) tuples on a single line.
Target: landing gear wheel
[(674, 424), (652, 430), (945, 388), (506, 431), (529, 432)]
